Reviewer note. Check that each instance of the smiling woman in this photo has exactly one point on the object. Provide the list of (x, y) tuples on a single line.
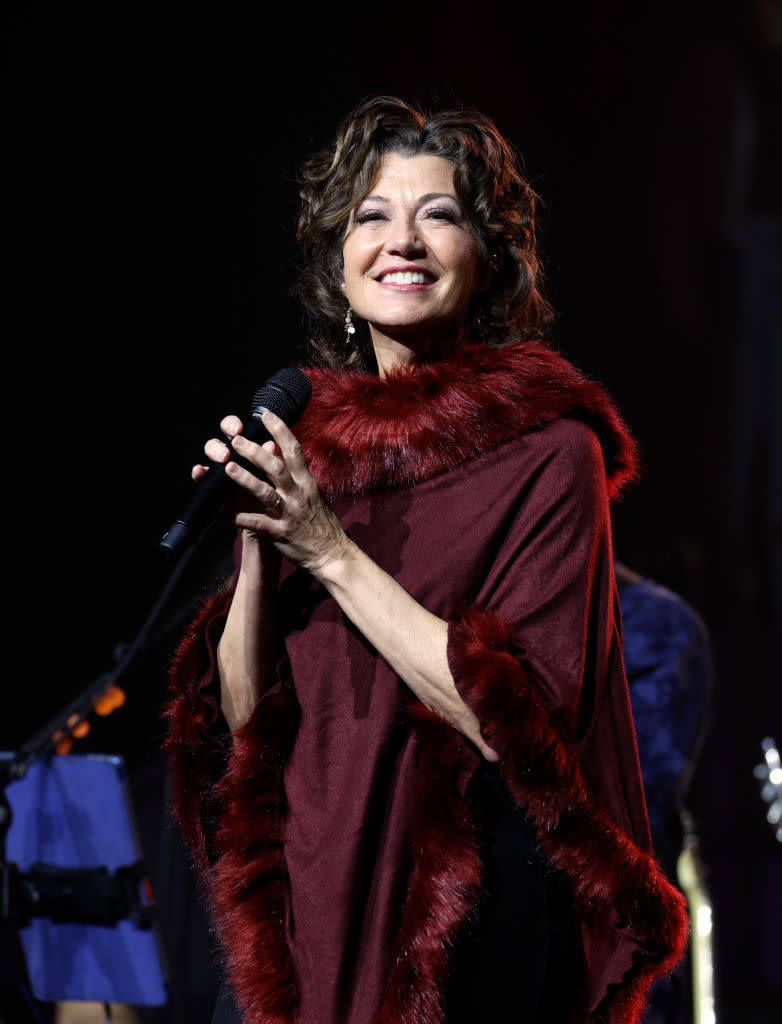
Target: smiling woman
[(479, 187), (401, 734)]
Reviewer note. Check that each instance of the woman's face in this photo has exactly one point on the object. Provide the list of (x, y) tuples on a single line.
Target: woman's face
[(411, 260)]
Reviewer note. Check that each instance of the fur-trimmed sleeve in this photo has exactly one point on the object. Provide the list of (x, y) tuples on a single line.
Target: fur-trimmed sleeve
[(550, 586), (537, 656)]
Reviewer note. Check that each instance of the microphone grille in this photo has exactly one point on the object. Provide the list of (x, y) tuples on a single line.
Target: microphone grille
[(285, 394)]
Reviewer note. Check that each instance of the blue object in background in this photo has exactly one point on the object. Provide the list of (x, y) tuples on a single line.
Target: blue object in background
[(667, 655), (74, 811), (669, 668)]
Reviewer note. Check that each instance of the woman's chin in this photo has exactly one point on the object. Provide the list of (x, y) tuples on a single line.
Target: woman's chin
[(419, 335)]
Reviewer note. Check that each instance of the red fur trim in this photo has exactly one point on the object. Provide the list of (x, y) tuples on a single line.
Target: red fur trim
[(248, 884), (191, 711), (361, 432), (246, 887), (608, 873), (446, 881)]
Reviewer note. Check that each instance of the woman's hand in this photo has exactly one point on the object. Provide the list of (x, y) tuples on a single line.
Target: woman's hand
[(283, 505)]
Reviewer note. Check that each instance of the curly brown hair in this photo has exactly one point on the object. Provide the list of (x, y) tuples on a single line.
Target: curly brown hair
[(497, 199)]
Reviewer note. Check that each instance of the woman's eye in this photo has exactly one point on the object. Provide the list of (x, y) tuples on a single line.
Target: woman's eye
[(443, 213), (368, 215)]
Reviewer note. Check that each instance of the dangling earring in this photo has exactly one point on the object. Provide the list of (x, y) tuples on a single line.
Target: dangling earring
[(480, 321), (349, 328), (479, 326)]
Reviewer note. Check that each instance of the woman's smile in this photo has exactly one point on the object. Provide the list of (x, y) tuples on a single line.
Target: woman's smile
[(406, 278)]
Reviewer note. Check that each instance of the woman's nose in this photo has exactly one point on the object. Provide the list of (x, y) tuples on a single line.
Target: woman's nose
[(404, 239)]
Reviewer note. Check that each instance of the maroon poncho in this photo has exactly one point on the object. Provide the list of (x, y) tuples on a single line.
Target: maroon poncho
[(344, 857)]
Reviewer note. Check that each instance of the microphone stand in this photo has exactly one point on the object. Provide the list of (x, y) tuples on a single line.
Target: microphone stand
[(75, 895)]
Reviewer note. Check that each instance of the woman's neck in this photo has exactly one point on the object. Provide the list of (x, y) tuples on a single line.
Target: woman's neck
[(403, 348)]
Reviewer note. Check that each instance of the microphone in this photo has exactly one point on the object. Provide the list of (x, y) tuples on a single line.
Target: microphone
[(286, 393)]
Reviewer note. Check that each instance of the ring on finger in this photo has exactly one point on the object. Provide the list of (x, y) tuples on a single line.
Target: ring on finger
[(276, 503)]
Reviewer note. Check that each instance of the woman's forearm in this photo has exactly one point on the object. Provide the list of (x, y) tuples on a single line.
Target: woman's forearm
[(411, 639), (245, 653)]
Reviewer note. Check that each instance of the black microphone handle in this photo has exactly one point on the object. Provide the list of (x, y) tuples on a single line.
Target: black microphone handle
[(285, 394), (210, 495)]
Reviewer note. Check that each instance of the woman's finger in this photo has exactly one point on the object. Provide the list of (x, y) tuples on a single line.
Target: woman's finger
[(264, 457), (290, 448), (231, 426), (217, 450), (271, 502)]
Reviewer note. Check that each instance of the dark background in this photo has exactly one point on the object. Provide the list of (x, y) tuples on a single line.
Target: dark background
[(150, 155)]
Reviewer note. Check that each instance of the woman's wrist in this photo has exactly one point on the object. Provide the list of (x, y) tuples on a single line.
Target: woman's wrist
[(335, 567)]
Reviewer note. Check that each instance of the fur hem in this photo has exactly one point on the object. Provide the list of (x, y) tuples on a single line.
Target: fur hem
[(232, 787), (248, 885), (191, 712), (446, 882), (612, 879)]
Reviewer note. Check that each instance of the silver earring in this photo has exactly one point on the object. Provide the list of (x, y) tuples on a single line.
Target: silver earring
[(480, 326), (349, 328)]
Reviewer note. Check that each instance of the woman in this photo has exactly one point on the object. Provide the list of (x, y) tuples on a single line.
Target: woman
[(401, 733)]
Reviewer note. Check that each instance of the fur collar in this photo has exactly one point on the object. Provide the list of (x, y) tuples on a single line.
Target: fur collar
[(363, 433)]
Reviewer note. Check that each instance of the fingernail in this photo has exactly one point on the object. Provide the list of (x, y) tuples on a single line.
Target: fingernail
[(238, 441)]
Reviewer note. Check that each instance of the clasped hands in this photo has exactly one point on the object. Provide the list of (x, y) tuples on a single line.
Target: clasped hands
[(283, 504), (303, 528)]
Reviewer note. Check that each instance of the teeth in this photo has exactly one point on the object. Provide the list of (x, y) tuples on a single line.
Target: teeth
[(404, 277)]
